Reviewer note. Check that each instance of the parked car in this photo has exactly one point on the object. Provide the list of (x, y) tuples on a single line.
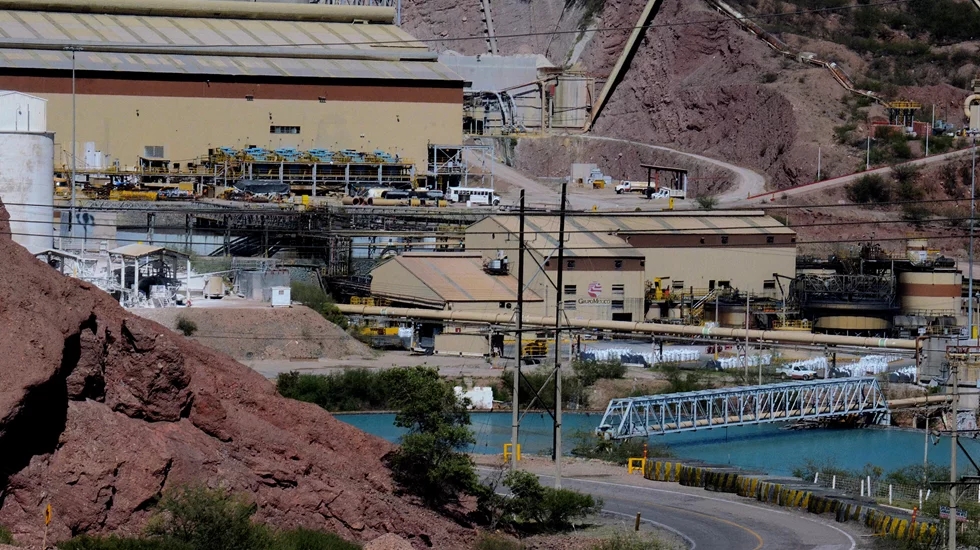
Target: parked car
[(797, 372)]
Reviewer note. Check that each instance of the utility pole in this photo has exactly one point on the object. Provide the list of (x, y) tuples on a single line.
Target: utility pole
[(515, 418), (559, 296), (867, 161), (973, 213), (74, 146), (953, 376), (745, 351), (818, 162), (931, 126)]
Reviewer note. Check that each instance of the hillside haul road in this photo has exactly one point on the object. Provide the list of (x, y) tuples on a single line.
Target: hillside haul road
[(844, 180)]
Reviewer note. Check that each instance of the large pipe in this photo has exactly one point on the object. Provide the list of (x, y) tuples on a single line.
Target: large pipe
[(630, 326), (213, 9), (922, 401)]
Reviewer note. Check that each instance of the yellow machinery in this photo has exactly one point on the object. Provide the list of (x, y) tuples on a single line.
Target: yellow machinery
[(536, 348)]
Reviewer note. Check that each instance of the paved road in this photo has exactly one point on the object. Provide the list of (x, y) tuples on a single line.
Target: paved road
[(843, 180), (709, 521)]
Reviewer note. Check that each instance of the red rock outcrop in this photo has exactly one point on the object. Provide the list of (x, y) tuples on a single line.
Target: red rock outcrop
[(101, 411)]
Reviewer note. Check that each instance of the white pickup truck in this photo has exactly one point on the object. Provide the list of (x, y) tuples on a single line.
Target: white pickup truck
[(797, 372), (641, 187)]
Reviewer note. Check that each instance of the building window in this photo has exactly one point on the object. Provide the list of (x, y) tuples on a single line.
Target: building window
[(770, 240), (618, 264), (619, 290), (570, 305), (724, 284), (283, 129), (570, 264), (618, 305), (571, 290), (678, 285), (724, 239), (153, 151), (769, 284)]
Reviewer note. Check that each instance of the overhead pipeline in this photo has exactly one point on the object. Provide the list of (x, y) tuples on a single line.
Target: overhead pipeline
[(639, 327)]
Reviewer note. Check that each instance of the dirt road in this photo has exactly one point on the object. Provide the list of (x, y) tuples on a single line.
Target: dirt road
[(538, 194), (844, 180)]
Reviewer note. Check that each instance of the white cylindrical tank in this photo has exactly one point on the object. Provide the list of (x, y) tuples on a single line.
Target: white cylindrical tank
[(27, 187)]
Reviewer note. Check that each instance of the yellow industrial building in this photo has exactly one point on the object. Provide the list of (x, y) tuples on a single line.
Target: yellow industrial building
[(612, 260), (173, 80)]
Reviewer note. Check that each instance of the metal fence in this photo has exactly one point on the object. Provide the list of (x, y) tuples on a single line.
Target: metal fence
[(888, 493)]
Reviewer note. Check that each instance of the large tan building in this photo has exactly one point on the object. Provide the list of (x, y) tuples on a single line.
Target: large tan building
[(622, 255), (173, 79)]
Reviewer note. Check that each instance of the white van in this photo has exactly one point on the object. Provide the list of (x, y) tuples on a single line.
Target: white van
[(474, 195)]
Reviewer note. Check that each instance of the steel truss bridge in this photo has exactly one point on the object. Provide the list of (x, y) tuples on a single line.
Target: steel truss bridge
[(741, 406)]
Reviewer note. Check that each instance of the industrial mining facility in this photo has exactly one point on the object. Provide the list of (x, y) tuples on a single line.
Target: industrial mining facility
[(494, 191)]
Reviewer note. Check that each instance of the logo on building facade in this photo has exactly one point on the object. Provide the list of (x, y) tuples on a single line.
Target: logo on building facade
[(595, 289)]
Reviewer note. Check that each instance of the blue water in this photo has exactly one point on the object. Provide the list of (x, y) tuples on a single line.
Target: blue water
[(765, 447)]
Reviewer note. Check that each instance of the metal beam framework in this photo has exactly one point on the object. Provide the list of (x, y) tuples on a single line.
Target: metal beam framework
[(685, 412)]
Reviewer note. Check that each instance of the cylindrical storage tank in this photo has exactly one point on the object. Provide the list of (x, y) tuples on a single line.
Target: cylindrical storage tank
[(930, 292), (27, 187)]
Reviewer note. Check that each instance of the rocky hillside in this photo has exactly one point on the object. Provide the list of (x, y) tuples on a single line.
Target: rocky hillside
[(101, 411)]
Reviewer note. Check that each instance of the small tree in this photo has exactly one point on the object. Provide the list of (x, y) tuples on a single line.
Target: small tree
[(431, 463)]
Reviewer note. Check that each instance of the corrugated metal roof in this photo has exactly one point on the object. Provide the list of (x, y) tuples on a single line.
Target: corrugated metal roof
[(80, 29), (585, 236), (184, 45), (139, 250), (462, 279)]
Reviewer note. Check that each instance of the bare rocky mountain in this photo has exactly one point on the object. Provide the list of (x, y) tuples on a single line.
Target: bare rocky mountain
[(101, 411)]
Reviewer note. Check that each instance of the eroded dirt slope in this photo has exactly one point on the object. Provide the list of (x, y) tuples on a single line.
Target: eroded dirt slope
[(101, 411)]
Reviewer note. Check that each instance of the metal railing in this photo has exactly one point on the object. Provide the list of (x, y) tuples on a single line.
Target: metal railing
[(789, 401)]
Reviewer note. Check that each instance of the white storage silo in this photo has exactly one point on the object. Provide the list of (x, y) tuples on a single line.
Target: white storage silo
[(27, 169)]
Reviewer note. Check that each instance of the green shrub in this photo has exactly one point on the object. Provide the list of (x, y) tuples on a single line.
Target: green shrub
[(545, 507), (349, 390), (587, 445), (871, 188), (631, 541), (843, 134), (5, 536), (487, 541), (207, 518), (186, 326), (590, 371), (683, 381), (319, 301), (86, 542), (307, 539), (707, 202)]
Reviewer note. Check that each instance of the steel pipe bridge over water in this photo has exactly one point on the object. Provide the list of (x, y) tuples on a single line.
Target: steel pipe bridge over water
[(741, 406)]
